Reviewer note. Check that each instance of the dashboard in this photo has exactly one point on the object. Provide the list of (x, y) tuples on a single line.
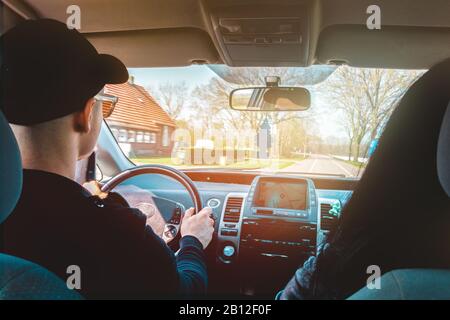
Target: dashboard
[(263, 223)]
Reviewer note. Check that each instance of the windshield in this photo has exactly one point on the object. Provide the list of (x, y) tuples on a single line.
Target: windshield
[(181, 117)]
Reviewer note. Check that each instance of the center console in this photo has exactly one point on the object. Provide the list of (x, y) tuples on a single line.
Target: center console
[(273, 227)]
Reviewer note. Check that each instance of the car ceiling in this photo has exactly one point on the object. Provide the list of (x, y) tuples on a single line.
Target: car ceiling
[(415, 34)]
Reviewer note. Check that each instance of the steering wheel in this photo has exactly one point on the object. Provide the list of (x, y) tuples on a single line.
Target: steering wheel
[(172, 226)]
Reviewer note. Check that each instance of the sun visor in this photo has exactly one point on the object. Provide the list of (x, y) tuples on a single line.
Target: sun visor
[(157, 48)]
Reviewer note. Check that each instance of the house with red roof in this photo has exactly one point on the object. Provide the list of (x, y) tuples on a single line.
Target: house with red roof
[(139, 123)]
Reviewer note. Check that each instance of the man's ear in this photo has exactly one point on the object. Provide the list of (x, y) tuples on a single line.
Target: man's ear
[(82, 119)]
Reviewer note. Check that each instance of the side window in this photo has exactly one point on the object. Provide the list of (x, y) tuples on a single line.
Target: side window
[(131, 136), (123, 135), (98, 173), (140, 137), (147, 137)]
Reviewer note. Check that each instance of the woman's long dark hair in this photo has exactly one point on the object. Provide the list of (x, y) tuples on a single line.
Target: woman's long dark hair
[(399, 215)]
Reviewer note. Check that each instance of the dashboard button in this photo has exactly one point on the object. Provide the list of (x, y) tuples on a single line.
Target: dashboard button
[(213, 203), (228, 251)]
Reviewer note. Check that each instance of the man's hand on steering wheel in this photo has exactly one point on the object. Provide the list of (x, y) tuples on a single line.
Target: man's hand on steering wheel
[(136, 198), (143, 200), (200, 225)]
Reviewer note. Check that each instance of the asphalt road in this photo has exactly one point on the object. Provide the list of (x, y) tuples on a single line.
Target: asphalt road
[(322, 164)]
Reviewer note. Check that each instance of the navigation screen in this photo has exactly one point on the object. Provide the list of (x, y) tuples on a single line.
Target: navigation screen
[(281, 195)]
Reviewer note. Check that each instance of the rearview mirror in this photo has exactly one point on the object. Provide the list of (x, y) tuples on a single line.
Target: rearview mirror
[(270, 99)]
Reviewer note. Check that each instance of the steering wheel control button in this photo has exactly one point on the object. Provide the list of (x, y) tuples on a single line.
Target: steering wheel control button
[(176, 216), (170, 232), (213, 203), (228, 251)]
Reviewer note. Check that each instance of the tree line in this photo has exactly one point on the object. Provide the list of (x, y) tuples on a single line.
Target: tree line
[(363, 99)]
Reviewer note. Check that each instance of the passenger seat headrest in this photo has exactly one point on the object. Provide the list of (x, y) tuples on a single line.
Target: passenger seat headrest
[(10, 170), (443, 153)]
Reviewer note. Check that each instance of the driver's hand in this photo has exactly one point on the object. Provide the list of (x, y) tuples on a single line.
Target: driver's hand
[(198, 225), (94, 188), (143, 200)]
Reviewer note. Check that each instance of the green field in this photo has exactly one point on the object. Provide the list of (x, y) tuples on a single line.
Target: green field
[(355, 163)]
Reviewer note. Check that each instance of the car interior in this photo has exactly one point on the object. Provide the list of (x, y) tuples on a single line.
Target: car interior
[(256, 235)]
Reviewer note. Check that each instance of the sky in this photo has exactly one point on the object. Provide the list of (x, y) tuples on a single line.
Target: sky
[(197, 75)]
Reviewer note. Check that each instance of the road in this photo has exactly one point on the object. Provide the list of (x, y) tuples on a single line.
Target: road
[(317, 163)]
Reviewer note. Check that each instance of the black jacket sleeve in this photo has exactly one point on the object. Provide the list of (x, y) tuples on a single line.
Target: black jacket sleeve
[(148, 268), (309, 282), (300, 286), (185, 274), (192, 273)]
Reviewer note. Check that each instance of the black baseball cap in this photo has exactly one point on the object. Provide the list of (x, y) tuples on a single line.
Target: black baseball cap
[(49, 71)]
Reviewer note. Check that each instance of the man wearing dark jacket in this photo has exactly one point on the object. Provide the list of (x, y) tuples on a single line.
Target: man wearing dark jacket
[(51, 92)]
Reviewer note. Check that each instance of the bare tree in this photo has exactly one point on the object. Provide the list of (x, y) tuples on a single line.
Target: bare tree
[(366, 97), (293, 137), (172, 96), (212, 109), (214, 96)]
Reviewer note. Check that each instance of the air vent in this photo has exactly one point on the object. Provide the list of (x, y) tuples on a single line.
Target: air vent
[(233, 209), (327, 220)]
